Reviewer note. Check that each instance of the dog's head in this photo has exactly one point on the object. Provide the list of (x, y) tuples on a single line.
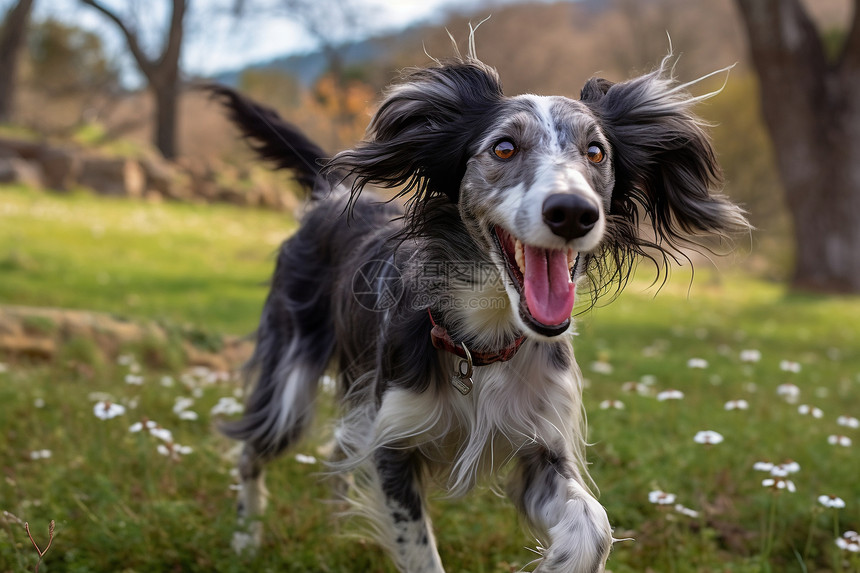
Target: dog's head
[(551, 187)]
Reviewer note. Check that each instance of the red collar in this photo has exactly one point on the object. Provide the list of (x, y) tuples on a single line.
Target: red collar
[(443, 341)]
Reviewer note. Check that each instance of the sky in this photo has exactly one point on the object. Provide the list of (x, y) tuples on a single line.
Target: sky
[(217, 42)]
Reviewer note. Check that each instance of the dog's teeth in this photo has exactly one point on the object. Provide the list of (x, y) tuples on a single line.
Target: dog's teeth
[(520, 257), (571, 258)]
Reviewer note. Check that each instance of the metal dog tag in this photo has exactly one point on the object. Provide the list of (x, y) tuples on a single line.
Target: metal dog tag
[(461, 379)]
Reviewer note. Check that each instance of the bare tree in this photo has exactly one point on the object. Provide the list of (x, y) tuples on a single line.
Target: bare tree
[(12, 38), (162, 72), (811, 104)]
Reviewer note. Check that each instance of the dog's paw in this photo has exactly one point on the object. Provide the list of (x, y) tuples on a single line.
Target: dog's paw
[(248, 539), (581, 540)]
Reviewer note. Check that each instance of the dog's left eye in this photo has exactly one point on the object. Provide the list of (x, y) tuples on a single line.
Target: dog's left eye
[(594, 153), (505, 149)]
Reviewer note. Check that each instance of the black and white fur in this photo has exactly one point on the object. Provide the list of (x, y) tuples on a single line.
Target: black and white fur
[(452, 250)]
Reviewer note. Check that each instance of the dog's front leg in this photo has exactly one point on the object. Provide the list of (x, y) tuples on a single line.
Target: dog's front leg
[(549, 491), (400, 517)]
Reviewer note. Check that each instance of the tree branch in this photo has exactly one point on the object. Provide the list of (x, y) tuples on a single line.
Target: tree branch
[(173, 42), (144, 63), (782, 35)]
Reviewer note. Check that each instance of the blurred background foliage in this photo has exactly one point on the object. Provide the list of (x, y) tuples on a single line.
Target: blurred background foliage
[(70, 82)]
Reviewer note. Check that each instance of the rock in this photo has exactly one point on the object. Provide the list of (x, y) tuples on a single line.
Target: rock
[(20, 148), (6, 153), (234, 196), (41, 332), (160, 175), (30, 346), (113, 176), (197, 357), (61, 167), (17, 170)]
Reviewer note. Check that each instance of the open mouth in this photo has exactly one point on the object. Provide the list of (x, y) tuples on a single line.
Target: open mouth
[(544, 278)]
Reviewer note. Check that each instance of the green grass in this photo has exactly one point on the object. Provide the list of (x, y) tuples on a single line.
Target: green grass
[(119, 505), (203, 265)]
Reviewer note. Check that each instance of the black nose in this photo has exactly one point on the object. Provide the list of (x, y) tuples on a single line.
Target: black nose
[(569, 216)]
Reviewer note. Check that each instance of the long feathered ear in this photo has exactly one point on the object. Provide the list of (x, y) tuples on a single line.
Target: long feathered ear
[(664, 162), (424, 131)]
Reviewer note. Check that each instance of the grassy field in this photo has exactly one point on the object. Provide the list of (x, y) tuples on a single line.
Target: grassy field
[(121, 505), (184, 263)]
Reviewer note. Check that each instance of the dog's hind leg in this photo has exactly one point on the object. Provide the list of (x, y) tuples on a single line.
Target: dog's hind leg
[(277, 413), (253, 496), (287, 365)]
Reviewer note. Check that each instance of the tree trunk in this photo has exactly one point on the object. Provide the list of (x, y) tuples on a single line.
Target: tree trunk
[(12, 38), (811, 107), (166, 104), (162, 72)]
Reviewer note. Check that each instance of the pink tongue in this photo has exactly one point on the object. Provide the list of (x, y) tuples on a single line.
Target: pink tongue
[(548, 290)]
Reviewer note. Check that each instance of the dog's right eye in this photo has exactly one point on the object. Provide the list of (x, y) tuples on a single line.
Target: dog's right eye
[(505, 149)]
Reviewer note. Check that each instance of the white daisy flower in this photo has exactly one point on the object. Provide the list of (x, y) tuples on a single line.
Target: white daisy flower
[(328, 384), (750, 355), (188, 415), (105, 410), (134, 379), (838, 440), (762, 466), (40, 454), (304, 459), (162, 434), (686, 511), (697, 363), (790, 392), (182, 403), (601, 367), (779, 484), (850, 541), (789, 366), (143, 424), (660, 497), (848, 421), (612, 404), (807, 410), (789, 467), (227, 406), (736, 405), (173, 451), (831, 501), (670, 395), (779, 471), (708, 437), (636, 388)]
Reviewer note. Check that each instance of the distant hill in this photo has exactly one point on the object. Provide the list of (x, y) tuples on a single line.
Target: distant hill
[(307, 67), (543, 46)]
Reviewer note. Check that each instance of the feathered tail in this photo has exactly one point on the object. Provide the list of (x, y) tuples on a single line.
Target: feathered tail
[(275, 139)]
